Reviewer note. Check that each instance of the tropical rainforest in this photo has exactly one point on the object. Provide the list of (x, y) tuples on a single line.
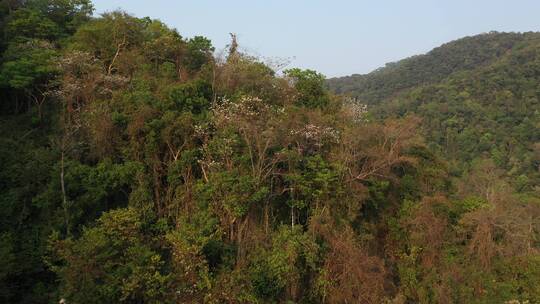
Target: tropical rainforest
[(141, 166)]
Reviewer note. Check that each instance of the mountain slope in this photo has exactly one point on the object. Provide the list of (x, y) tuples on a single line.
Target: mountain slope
[(464, 54), (478, 98)]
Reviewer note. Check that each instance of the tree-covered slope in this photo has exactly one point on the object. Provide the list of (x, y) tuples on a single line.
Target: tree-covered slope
[(492, 111), (478, 97), (464, 54)]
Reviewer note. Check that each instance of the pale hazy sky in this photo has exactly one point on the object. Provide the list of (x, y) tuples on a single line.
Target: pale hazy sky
[(338, 37)]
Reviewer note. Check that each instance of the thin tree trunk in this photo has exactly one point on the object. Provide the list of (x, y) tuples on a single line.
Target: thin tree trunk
[(266, 218), (16, 103), (64, 196), (292, 216), (118, 50)]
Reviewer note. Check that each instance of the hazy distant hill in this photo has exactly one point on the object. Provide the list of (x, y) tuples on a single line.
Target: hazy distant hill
[(478, 98), (464, 54)]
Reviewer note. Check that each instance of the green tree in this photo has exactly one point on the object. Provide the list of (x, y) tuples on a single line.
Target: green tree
[(310, 87)]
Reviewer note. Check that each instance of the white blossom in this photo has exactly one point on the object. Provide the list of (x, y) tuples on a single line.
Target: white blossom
[(317, 134), (355, 110)]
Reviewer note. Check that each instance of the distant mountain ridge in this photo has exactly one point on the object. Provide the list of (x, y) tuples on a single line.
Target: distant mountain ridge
[(460, 55)]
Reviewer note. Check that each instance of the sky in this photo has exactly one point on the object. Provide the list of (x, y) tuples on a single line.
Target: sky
[(338, 37)]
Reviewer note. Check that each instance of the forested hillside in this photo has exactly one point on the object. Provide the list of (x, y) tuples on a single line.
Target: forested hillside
[(138, 166), (460, 55), (485, 107)]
